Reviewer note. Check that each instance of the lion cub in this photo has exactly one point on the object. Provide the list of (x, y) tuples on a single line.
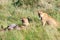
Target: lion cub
[(25, 21), (45, 18)]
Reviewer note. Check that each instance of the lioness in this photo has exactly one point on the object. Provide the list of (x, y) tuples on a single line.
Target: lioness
[(45, 18)]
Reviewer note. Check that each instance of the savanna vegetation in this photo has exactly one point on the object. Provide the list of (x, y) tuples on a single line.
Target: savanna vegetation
[(11, 11)]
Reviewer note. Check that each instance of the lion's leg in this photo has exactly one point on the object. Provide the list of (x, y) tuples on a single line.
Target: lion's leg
[(43, 22)]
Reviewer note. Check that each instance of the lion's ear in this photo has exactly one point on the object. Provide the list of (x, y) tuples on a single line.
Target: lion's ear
[(29, 19), (2, 26), (39, 12)]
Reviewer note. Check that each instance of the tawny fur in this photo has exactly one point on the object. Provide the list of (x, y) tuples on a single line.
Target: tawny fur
[(45, 18), (25, 21)]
